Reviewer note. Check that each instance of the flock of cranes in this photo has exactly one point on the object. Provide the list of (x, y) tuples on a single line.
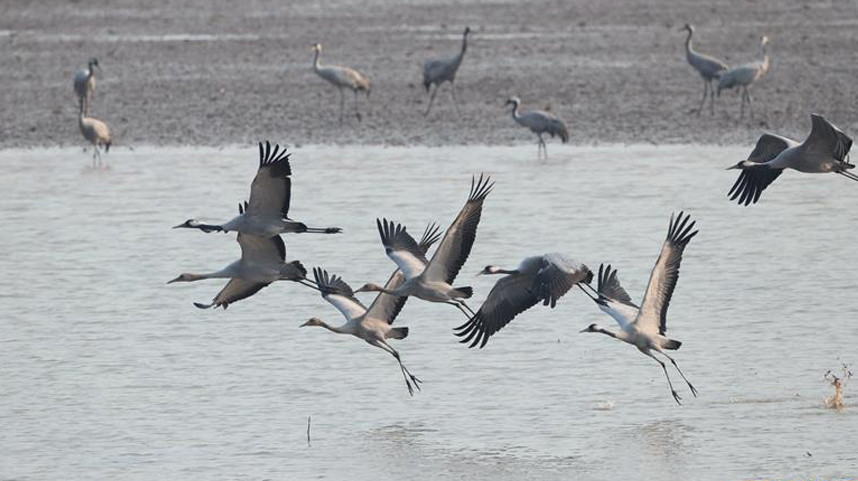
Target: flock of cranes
[(438, 71), (539, 279), (545, 279)]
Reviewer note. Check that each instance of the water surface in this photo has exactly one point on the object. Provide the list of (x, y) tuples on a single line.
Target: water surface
[(109, 373)]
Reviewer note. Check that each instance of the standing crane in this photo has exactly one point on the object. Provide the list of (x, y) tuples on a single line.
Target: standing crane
[(95, 132), (544, 278), (539, 122), (342, 78), (645, 327), (263, 261), (746, 74), (372, 324), (710, 68), (438, 71), (432, 280), (267, 213), (824, 150), (84, 84)]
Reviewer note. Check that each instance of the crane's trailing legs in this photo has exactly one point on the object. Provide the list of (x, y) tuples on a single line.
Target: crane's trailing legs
[(676, 396), (406, 374), (693, 391)]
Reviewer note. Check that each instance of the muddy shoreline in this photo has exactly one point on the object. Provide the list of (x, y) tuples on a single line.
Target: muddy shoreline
[(213, 73)]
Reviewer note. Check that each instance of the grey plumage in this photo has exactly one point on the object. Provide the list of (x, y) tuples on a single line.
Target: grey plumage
[(710, 68), (539, 122), (438, 71), (544, 278), (343, 78), (746, 74), (824, 150)]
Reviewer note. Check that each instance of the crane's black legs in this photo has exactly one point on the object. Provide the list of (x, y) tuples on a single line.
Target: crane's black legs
[(676, 396), (585, 291), (848, 175), (357, 112), (693, 391), (342, 104), (406, 374), (541, 147), (706, 87), (455, 100), (711, 98), (458, 305), (323, 230), (431, 99), (309, 283)]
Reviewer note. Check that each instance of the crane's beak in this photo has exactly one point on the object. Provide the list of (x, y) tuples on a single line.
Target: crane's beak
[(305, 324), (174, 280)]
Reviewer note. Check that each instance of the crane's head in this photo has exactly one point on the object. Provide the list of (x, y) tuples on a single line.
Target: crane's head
[(186, 278), (764, 41), (313, 321), (687, 28), (93, 62), (316, 48), (489, 270), (744, 164), (591, 328), (188, 224), (369, 287), (514, 101), (467, 30)]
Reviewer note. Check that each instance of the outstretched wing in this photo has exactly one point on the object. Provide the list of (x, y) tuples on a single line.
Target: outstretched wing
[(401, 248), (557, 275), (752, 182), (826, 139), (387, 307), (261, 249), (652, 317), (613, 299), (510, 296), (272, 187), (459, 238), (335, 290), (234, 290)]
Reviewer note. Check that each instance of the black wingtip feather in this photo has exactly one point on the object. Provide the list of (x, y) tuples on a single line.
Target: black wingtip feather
[(279, 164)]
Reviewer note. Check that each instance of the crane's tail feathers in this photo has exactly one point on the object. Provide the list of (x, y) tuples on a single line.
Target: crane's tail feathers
[(300, 267), (672, 344), (464, 292), (397, 333)]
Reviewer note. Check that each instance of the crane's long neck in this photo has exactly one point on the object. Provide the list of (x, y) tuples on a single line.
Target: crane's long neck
[(464, 46), (515, 110), (688, 47), (316, 64), (606, 332), (338, 330), (765, 54)]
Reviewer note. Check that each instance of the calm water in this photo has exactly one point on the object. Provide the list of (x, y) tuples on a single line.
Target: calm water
[(106, 372)]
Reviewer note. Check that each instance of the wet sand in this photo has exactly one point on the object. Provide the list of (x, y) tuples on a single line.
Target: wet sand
[(212, 73)]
